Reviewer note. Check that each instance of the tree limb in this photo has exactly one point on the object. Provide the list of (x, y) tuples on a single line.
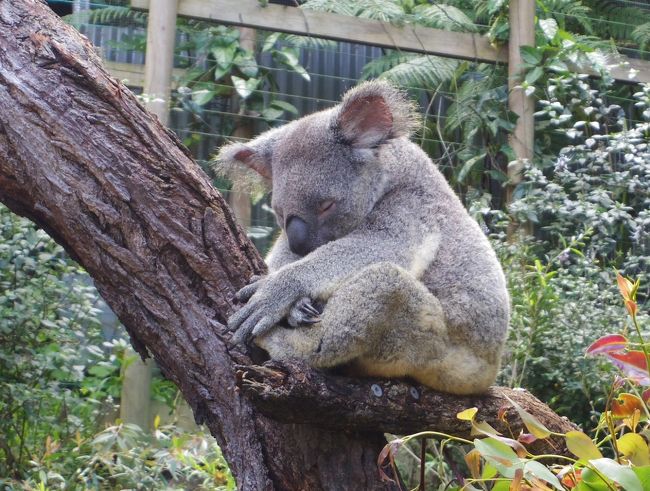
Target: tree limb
[(294, 393)]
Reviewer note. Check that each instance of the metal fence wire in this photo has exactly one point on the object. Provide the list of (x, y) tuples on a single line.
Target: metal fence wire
[(328, 69)]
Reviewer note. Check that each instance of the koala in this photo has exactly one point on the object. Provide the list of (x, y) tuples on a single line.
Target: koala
[(378, 268)]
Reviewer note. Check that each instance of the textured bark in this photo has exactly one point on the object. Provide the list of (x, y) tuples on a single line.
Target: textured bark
[(293, 393), (81, 157)]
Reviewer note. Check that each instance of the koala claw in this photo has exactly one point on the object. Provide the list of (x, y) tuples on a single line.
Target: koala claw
[(303, 312)]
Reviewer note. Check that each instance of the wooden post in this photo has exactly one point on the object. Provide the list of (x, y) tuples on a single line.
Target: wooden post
[(522, 33), (240, 200), (135, 399), (159, 61)]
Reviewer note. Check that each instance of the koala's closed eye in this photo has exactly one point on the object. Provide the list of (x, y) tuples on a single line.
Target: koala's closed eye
[(326, 207)]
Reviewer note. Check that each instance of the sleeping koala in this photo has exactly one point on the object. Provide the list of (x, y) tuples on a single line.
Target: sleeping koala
[(378, 268)]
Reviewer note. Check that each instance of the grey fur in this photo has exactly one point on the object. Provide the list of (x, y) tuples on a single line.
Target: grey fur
[(409, 283)]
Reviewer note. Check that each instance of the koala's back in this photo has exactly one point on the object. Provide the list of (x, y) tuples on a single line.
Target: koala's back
[(454, 258)]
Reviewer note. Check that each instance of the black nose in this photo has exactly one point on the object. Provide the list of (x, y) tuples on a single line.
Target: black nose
[(298, 235)]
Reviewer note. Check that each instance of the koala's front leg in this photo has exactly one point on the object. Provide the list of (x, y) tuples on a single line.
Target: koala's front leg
[(269, 301)]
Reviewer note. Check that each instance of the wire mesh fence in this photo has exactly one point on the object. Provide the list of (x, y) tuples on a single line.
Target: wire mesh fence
[(465, 125)]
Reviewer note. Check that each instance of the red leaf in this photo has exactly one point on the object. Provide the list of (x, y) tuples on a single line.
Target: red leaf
[(633, 364), (608, 344), (526, 438)]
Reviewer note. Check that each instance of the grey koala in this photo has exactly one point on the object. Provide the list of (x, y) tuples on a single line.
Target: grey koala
[(374, 237)]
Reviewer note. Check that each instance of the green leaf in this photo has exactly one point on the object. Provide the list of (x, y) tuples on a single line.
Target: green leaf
[(224, 55), (635, 448), (494, 5), (489, 471), (270, 41), (203, 96), (285, 106), (591, 481), (534, 74), (618, 473), (549, 28), (531, 56), (287, 57), (220, 72), (532, 424), (271, 113), (582, 446), (244, 87), (468, 166), (643, 473), (467, 414), (247, 64), (501, 486), (499, 455), (541, 472)]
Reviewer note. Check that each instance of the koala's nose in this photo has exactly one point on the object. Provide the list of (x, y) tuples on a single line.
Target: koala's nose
[(298, 235)]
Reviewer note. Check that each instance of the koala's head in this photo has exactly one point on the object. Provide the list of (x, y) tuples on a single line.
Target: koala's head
[(325, 169)]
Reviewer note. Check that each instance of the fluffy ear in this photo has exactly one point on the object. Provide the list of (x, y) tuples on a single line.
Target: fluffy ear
[(372, 113), (237, 160)]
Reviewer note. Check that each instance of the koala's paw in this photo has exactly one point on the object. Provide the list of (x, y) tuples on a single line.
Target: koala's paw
[(304, 312)]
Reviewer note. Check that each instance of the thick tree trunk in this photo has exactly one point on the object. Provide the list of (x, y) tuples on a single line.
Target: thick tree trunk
[(82, 158)]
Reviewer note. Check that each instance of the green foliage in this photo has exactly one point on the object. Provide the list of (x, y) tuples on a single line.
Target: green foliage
[(641, 35), (49, 330), (124, 457), (560, 303), (417, 71), (601, 183), (112, 15), (59, 380)]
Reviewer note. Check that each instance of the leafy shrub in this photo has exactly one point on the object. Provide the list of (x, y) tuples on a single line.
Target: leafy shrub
[(49, 329), (125, 457), (559, 305), (589, 209), (601, 183)]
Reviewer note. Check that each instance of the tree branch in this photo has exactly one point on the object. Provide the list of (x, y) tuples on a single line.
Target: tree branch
[(294, 393)]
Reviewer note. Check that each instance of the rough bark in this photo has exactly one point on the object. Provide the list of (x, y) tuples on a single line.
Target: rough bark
[(81, 157), (293, 393)]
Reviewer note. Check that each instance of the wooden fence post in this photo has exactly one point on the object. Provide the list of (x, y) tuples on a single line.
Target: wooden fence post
[(238, 199), (522, 33), (135, 398), (159, 60)]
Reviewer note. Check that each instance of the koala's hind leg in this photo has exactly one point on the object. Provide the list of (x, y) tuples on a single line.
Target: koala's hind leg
[(383, 322)]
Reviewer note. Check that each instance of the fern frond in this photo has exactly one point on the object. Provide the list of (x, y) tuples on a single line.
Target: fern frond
[(308, 42), (642, 35), (386, 10), (617, 21), (463, 113), (112, 15), (422, 71), (570, 11), (442, 16), (390, 59)]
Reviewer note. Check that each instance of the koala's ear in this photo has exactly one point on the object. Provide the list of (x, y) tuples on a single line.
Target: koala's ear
[(249, 156), (236, 160), (373, 113)]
